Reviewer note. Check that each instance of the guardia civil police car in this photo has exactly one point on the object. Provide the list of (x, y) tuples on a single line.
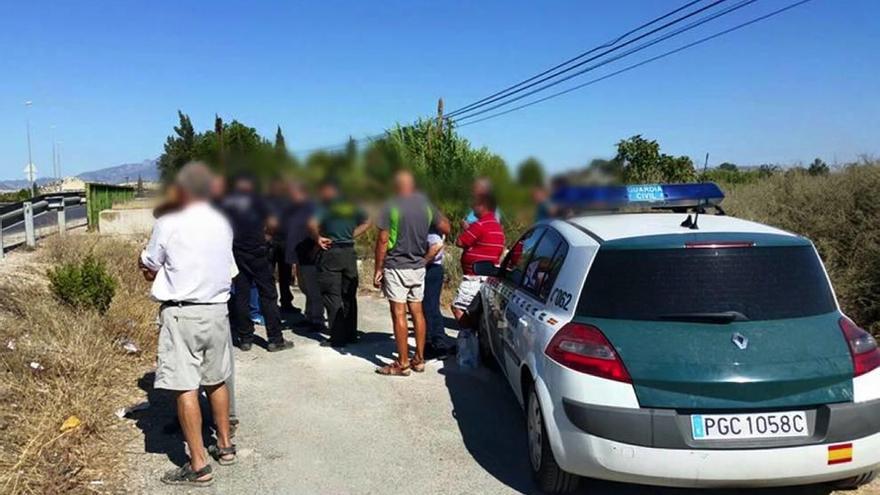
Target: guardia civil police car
[(681, 349)]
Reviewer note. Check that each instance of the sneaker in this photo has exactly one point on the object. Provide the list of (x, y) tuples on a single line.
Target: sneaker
[(279, 346), (245, 346)]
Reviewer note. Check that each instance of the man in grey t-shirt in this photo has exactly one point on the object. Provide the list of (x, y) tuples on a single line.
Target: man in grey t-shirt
[(400, 266)]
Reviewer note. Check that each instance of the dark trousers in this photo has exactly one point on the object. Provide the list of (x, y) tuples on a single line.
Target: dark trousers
[(277, 261), (338, 281), (431, 305), (254, 269)]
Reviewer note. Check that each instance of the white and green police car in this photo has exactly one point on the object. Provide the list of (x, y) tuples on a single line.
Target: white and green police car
[(674, 349)]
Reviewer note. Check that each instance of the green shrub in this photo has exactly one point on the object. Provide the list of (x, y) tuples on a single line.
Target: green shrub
[(83, 284)]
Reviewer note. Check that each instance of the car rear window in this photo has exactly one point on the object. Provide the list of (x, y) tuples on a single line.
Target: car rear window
[(761, 283)]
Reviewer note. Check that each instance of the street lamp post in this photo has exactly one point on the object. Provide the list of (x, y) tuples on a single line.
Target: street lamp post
[(30, 165)]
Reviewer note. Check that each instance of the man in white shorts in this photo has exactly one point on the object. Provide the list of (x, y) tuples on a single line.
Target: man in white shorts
[(400, 266)]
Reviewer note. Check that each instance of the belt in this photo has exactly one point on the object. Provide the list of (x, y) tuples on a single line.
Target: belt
[(341, 244), (181, 304)]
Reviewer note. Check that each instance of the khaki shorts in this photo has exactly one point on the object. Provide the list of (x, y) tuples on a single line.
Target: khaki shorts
[(194, 346), (404, 284), (467, 290)]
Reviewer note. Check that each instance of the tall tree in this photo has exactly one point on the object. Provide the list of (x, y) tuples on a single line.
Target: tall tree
[(280, 145), (641, 162), (178, 147)]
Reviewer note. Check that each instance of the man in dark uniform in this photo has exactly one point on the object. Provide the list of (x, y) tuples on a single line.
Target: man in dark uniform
[(249, 217), (302, 252), (336, 224), (280, 206)]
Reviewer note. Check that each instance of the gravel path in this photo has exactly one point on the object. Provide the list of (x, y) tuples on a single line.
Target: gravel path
[(315, 420)]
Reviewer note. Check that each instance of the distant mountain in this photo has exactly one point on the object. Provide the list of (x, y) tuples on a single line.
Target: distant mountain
[(128, 172), (19, 184)]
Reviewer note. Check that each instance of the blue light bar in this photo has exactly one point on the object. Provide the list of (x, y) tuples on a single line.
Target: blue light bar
[(646, 195)]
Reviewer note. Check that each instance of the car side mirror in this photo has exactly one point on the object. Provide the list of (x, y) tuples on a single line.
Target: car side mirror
[(486, 269)]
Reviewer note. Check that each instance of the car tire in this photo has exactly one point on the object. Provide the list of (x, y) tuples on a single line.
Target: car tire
[(855, 482), (547, 474)]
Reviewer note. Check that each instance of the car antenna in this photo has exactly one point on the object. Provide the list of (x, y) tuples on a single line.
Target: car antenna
[(690, 223)]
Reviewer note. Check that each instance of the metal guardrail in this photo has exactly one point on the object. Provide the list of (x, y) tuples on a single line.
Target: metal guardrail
[(26, 221)]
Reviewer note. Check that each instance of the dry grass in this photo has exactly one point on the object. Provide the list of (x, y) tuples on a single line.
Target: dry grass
[(83, 372), (840, 213)]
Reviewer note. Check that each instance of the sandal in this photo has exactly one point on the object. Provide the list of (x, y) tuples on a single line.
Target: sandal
[(393, 369), (417, 365), (184, 475), (222, 454)]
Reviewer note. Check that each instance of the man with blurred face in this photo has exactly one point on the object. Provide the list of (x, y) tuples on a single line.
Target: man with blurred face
[(482, 240), (401, 250), (335, 226), (250, 218), (279, 204), (301, 252), (189, 259)]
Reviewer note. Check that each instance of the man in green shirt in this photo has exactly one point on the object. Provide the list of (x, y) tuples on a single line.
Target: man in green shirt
[(336, 224)]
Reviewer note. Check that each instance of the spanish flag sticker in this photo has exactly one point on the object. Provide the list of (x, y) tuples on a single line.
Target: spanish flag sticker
[(840, 453)]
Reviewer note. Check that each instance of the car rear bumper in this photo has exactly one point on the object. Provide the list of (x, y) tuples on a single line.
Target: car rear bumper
[(611, 460), (637, 455), (668, 429)]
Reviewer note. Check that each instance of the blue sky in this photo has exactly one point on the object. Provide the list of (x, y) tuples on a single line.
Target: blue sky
[(110, 77)]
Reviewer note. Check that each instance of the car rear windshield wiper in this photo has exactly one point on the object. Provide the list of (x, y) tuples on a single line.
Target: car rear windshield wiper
[(718, 317)]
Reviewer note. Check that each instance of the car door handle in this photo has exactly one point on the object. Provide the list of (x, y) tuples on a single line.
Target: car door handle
[(523, 323)]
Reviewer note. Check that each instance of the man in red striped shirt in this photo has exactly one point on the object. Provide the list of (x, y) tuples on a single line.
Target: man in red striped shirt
[(483, 240)]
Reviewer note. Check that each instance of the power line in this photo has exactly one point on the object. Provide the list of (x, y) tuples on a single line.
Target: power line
[(590, 59), (484, 101), (638, 48), (579, 56), (644, 62)]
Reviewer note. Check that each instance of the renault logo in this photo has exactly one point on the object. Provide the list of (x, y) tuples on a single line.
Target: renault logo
[(740, 340)]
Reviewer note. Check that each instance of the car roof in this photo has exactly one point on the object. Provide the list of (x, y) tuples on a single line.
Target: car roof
[(611, 227)]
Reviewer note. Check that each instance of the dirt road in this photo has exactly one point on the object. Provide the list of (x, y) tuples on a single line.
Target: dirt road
[(315, 420)]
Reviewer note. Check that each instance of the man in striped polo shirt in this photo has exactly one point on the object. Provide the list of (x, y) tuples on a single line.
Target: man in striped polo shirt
[(483, 240)]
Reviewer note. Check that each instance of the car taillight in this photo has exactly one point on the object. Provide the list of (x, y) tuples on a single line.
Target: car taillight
[(862, 346), (583, 348)]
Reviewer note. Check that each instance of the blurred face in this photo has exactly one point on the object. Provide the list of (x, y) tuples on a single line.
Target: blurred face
[(328, 192), (539, 195), (297, 193), (404, 183), (244, 185), (218, 186), (481, 186)]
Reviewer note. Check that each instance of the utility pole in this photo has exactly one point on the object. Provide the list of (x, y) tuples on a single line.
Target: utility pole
[(55, 159), (706, 163), (58, 158), (440, 114)]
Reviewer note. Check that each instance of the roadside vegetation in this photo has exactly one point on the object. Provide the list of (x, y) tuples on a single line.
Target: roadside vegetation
[(69, 364), (837, 207)]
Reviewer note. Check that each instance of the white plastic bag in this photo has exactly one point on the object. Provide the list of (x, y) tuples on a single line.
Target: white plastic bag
[(468, 349)]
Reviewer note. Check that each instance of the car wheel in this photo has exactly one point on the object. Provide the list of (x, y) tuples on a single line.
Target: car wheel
[(546, 472), (855, 482)]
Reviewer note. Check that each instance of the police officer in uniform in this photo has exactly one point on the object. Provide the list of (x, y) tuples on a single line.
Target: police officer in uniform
[(280, 207), (336, 224), (250, 219)]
